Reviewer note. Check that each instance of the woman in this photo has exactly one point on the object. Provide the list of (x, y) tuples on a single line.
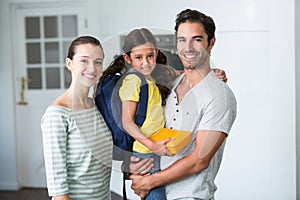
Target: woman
[(77, 143)]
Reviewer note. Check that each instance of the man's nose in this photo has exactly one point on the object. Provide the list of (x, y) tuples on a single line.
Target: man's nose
[(189, 45)]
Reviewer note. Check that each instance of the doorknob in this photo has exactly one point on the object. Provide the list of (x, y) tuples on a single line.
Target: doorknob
[(22, 101)]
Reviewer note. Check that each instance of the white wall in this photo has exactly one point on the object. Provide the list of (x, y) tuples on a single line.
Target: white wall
[(255, 45), (297, 64), (8, 161)]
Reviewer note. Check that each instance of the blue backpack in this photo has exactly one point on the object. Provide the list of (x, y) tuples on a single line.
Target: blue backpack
[(109, 104)]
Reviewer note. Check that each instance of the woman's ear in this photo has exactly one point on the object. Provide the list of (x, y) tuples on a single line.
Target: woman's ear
[(69, 64), (127, 58)]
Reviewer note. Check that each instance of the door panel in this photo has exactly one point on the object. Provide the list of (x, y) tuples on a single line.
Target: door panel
[(42, 35)]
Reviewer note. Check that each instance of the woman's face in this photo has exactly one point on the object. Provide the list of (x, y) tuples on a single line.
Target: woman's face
[(142, 58), (87, 63)]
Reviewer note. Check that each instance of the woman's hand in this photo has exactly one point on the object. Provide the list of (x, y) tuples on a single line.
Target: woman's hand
[(220, 74), (141, 167)]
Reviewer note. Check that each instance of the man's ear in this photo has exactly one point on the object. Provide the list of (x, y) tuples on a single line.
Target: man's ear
[(127, 58), (211, 44)]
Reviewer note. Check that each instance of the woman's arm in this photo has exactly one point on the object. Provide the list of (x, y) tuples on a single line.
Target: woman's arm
[(53, 127), (220, 74), (62, 197)]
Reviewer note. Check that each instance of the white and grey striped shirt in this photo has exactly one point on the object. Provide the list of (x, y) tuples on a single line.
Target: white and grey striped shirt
[(78, 153)]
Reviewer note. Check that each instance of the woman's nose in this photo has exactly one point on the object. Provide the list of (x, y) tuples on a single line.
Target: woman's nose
[(91, 67)]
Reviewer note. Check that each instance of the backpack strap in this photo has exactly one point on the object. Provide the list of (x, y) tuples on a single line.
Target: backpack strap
[(141, 110)]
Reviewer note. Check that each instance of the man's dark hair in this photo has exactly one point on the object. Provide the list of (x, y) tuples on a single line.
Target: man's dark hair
[(193, 16)]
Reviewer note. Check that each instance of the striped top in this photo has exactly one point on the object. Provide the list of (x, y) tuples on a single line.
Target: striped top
[(78, 153)]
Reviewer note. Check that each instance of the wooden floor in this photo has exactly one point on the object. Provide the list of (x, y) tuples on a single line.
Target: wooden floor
[(26, 194), (33, 194)]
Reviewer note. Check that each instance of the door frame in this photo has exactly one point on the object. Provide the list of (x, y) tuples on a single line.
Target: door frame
[(16, 9)]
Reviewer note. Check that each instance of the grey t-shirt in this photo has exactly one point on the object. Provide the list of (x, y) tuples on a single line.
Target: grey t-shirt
[(209, 105)]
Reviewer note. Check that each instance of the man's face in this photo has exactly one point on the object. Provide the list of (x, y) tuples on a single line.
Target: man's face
[(192, 45)]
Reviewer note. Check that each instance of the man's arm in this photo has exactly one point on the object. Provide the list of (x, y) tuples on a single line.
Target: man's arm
[(207, 144)]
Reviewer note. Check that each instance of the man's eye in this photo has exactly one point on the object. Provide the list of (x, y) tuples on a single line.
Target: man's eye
[(180, 40), (84, 61), (138, 57)]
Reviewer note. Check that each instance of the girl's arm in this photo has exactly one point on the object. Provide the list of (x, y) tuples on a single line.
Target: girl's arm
[(128, 115)]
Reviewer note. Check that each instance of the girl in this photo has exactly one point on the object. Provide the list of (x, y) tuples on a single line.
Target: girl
[(141, 53), (77, 143)]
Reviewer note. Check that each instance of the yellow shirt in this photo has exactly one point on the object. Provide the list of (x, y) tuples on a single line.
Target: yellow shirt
[(154, 121)]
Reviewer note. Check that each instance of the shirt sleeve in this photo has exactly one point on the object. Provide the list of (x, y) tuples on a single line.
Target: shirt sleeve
[(130, 88), (54, 129), (219, 114)]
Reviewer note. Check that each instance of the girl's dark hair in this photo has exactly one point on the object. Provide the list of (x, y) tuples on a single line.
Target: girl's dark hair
[(82, 40), (192, 16), (164, 76), (118, 65), (138, 37)]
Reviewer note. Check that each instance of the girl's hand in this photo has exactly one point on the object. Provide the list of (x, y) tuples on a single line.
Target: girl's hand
[(220, 74), (161, 149)]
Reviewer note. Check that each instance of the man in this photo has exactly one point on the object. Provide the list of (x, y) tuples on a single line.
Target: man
[(200, 103)]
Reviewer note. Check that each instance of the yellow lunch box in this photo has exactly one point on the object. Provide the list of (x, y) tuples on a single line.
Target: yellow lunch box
[(180, 138)]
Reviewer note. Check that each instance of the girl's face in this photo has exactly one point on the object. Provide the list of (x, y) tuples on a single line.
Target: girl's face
[(87, 63), (142, 58)]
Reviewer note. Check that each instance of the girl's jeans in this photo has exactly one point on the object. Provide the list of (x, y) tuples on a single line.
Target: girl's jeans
[(157, 193)]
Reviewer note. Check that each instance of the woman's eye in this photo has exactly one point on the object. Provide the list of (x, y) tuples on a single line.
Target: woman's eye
[(98, 62)]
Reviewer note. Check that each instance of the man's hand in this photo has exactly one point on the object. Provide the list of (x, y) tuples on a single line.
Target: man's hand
[(139, 185)]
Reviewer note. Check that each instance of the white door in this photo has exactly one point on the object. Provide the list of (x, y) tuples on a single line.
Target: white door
[(42, 33)]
